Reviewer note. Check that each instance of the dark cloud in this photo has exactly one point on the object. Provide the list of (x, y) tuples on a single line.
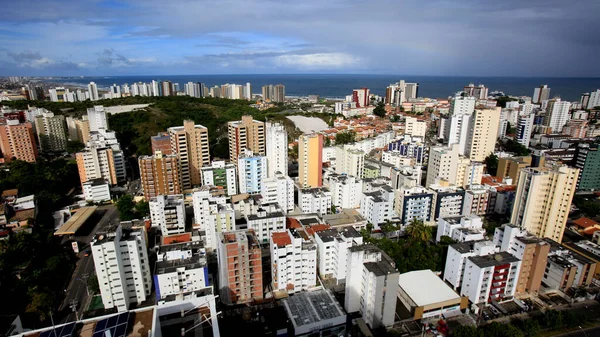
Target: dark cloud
[(108, 58), (25, 56)]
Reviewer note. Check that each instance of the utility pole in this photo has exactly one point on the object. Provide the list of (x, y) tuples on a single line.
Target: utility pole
[(73, 307)]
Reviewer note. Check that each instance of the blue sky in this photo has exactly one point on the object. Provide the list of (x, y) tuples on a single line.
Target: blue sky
[(162, 37)]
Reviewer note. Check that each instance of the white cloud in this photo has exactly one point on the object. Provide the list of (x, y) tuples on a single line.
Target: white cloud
[(317, 60)]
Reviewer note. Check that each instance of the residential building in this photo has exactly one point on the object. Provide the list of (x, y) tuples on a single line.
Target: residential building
[(594, 100), (587, 160), (180, 269), (96, 190), (511, 166), (479, 92), (93, 91), (377, 203), (532, 251), (576, 128), (97, 118), (293, 260), (461, 228), (51, 132), (361, 97), (524, 128), (468, 172), (212, 215), (221, 175), (400, 92), (279, 189), (456, 260), (332, 251), (567, 269), (371, 285), (476, 200), (483, 133), (314, 200), (349, 161), (415, 127), (490, 277), (246, 134), (447, 201), (310, 163), (252, 171), (83, 129), (557, 114), (345, 191), (443, 164), (543, 200), (168, 213), (276, 149), (190, 143), (160, 175), (240, 267), (17, 141), (97, 163), (264, 220), (540, 94), (161, 142), (413, 203), (456, 128), (121, 261)]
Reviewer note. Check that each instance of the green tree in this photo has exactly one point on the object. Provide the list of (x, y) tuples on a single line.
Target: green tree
[(345, 137), (327, 141), (333, 209), (142, 209), (552, 319), (496, 329), (379, 110), (125, 206), (466, 331), (93, 285), (418, 230), (491, 164), (74, 146)]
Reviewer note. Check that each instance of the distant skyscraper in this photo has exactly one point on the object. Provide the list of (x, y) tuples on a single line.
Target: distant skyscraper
[(594, 100), (279, 93), (525, 128), (93, 90), (479, 92), (540, 94), (277, 149), (267, 93), (246, 134), (248, 91), (310, 163)]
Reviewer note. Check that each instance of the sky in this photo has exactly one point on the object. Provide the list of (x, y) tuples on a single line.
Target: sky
[(411, 37)]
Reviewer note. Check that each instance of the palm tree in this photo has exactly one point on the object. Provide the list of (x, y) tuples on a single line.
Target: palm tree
[(418, 230)]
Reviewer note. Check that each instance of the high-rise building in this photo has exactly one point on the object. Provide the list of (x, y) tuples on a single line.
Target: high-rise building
[(557, 114), (221, 175), (276, 149), (161, 142), (212, 215), (310, 163), (160, 175), (483, 133), (400, 92), (361, 97), (58, 94), (456, 128), (349, 161), (443, 164), (279, 189), (83, 129), (540, 94), (51, 132), (97, 162), (17, 141), (511, 166), (240, 267), (478, 92), (587, 160), (346, 191), (371, 285), (167, 212), (246, 134), (594, 100), (190, 143), (293, 260), (490, 277), (248, 91), (181, 269), (333, 247), (97, 118), (252, 171), (525, 128), (121, 260), (114, 91), (279, 93), (194, 89), (314, 200), (93, 90), (267, 93), (543, 200)]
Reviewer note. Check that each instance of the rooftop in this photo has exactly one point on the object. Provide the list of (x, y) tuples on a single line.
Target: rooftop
[(312, 307), (425, 288), (584, 222), (492, 260), (76, 221)]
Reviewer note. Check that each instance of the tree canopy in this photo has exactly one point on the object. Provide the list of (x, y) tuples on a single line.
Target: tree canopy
[(379, 110), (491, 164), (345, 137)]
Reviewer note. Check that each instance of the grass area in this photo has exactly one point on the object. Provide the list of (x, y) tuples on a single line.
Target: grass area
[(96, 303)]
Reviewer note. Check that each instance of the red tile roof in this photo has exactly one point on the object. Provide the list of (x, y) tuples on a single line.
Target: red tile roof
[(292, 223), (281, 239), (584, 222), (184, 237)]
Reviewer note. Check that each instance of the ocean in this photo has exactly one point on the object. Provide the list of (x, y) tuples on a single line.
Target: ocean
[(338, 86)]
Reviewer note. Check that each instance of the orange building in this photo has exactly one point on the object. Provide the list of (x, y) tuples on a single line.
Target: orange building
[(18, 141), (190, 143), (162, 143), (240, 267), (246, 134), (94, 163), (310, 160), (160, 175)]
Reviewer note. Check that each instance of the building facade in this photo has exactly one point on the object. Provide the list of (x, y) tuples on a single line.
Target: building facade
[(190, 143), (160, 175)]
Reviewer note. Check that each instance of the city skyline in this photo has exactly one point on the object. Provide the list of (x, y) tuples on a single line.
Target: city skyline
[(70, 38)]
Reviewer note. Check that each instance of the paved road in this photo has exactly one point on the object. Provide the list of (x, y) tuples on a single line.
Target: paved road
[(589, 332), (77, 289)]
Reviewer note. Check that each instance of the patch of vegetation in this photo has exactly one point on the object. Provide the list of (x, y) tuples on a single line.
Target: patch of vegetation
[(345, 137)]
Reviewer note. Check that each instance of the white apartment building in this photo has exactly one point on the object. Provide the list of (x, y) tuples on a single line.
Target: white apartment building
[(180, 269), (212, 215), (461, 228), (594, 100), (397, 159), (557, 114), (222, 175), (93, 91), (415, 127), (314, 200), (96, 190), (371, 285), (443, 164), (293, 260), (279, 188), (377, 203), (349, 160), (345, 191), (332, 251), (456, 259), (276, 143), (97, 118), (525, 128), (121, 261), (252, 171), (266, 219), (490, 277), (167, 212), (457, 127)]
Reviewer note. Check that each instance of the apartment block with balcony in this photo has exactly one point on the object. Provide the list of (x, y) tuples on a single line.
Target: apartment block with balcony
[(160, 175), (490, 277), (461, 228), (332, 251), (168, 213), (180, 270), (293, 260)]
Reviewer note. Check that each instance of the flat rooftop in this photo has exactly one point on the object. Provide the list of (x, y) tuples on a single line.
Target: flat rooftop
[(312, 307), (493, 259), (425, 288), (76, 221)]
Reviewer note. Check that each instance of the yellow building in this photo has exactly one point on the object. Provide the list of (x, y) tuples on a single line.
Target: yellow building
[(310, 160), (483, 133), (543, 200), (510, 167)]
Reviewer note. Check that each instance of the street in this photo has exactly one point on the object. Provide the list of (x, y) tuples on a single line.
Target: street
[(589, 332), (77, 290)]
